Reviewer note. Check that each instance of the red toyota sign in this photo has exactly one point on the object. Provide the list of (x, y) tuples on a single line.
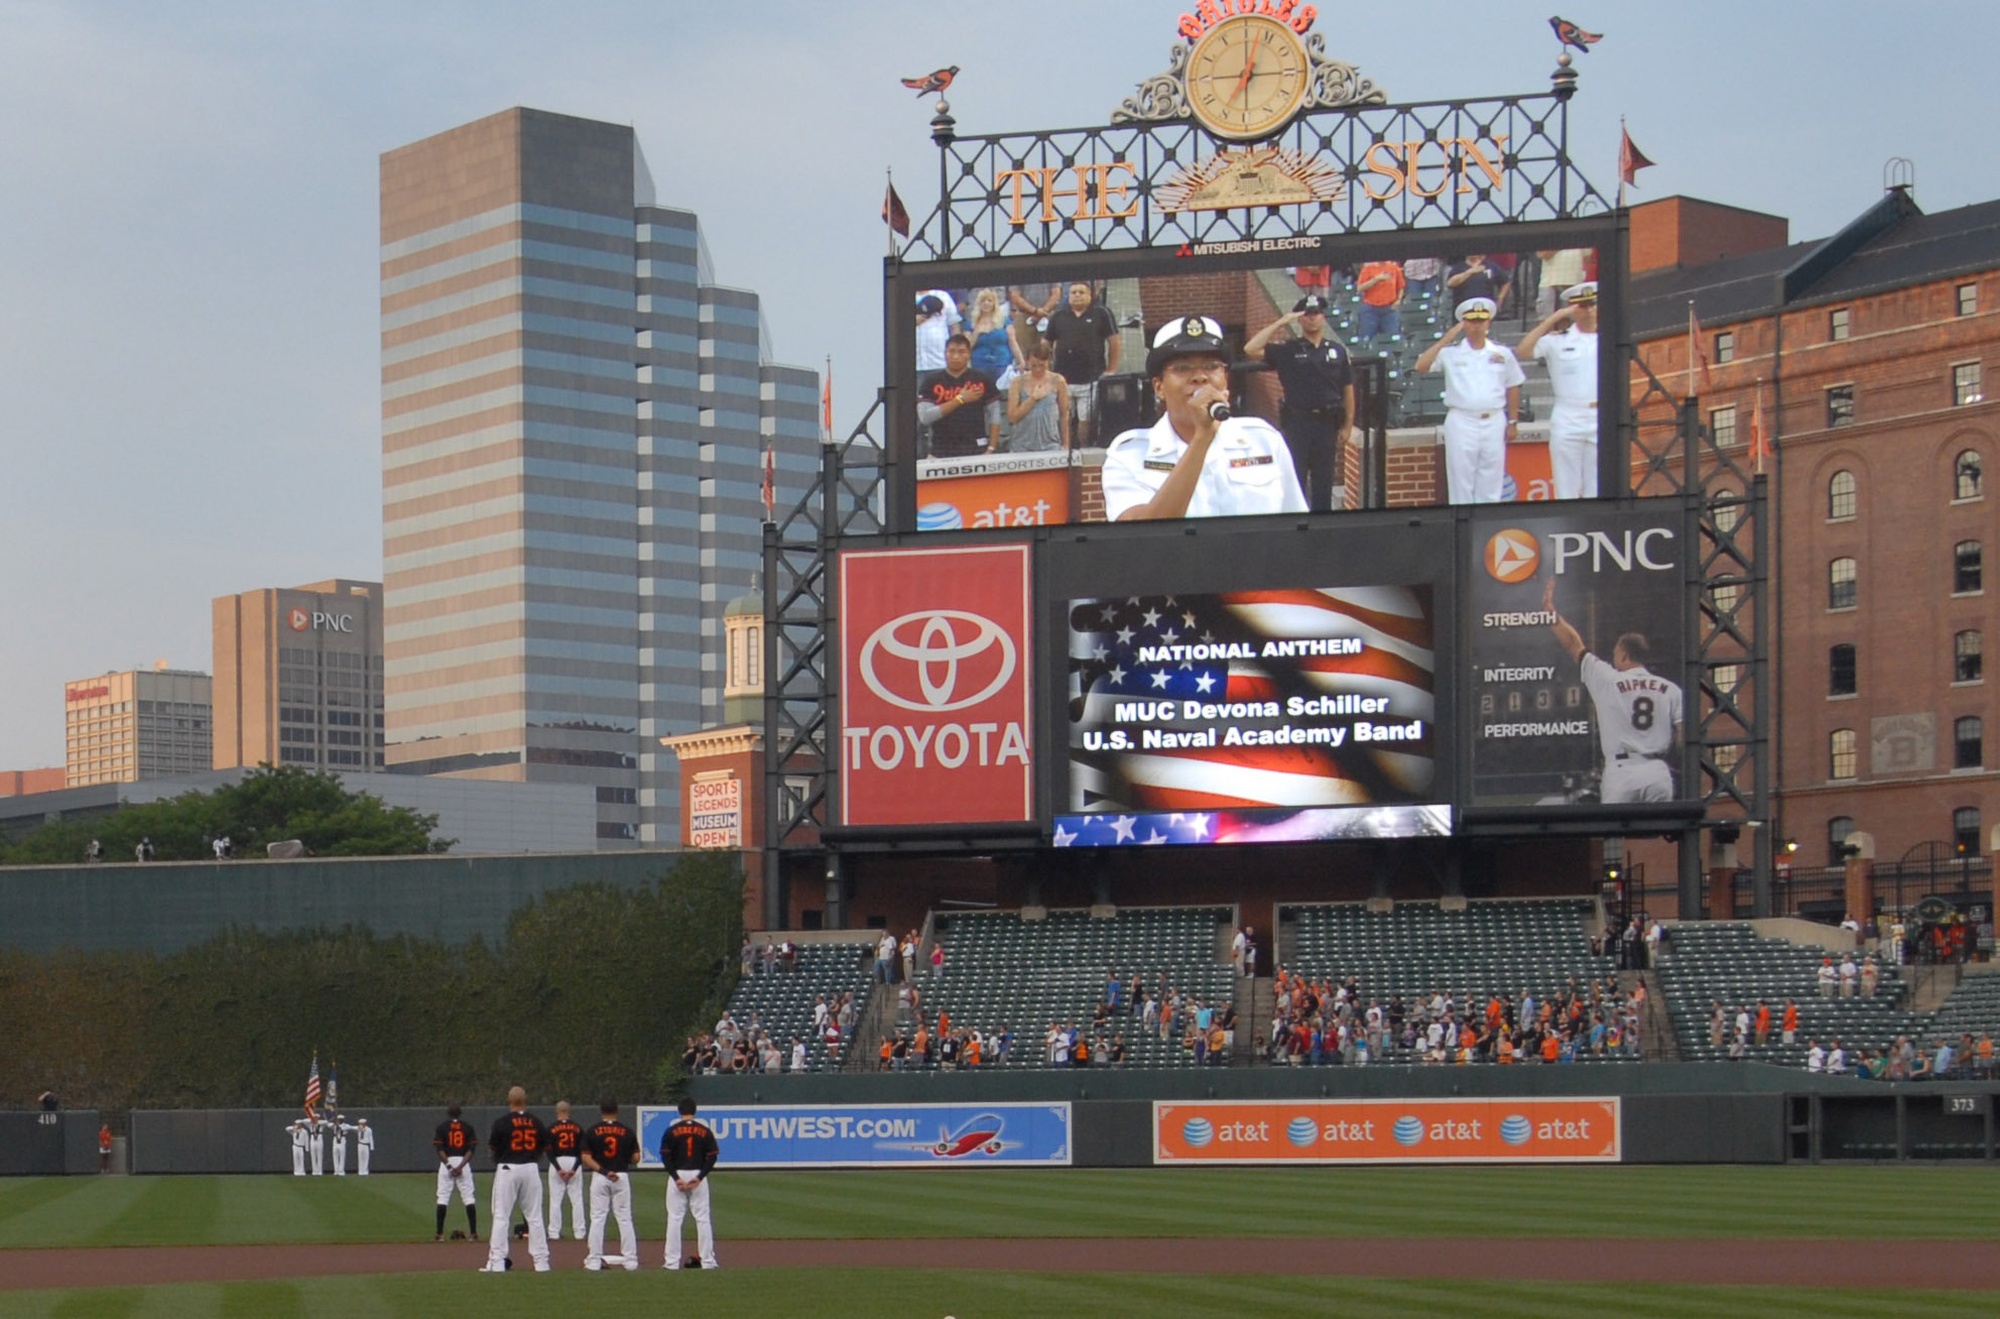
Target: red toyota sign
[(935, 688)]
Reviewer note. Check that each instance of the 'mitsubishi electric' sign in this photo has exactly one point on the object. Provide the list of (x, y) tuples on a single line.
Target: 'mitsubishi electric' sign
[(935, 687)]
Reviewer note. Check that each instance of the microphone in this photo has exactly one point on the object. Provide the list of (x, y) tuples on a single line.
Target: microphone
[(1219, 410)]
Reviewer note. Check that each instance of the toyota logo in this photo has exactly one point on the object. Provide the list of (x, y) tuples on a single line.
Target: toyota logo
[(938, 645)]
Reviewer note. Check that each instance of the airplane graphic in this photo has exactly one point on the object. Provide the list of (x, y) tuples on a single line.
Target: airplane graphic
[(979, 1136)]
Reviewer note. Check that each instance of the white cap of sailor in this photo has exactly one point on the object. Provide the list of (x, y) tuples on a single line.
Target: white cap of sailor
[(1477, 309), (1584, 292), (1186, 336)]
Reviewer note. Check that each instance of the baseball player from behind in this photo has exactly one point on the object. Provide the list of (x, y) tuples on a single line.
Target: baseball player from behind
[(689, 1153), (1638, 713), (517, 1141), (455, 1141), (565, 1173), (608, 1150)]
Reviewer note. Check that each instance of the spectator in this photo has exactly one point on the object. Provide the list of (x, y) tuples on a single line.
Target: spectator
[(996, 352), (1815, 1057), (1791, 1022), (1828, 978), (1473, 278), (885, 959), (1425, 277), (1836, 1059), (1086, 349), (937, 961), (1381, 285), (1038, 406), (1850, 976), (937, 317), (93, 851), (952, 402), (1560, 270), (1033, 304), (1871, 975), (1763, 1024)]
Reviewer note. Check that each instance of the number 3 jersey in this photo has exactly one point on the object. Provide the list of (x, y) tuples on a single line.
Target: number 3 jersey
[(612, 1145), (1637, 711)]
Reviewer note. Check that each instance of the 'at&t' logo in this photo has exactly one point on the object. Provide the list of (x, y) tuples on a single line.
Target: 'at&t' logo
[(934, 662)]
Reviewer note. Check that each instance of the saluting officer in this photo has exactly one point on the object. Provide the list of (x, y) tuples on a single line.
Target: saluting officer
[(1570, 353), (1197, 460), (1317, 415), (1482, 399)]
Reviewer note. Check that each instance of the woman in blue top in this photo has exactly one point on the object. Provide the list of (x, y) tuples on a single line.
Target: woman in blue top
[(996, 351)]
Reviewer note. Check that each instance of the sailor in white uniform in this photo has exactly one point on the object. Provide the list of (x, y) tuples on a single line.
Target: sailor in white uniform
[(1198, 460), (1570, 354)]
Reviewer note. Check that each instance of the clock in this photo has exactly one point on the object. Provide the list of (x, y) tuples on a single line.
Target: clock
[(1247, 76)]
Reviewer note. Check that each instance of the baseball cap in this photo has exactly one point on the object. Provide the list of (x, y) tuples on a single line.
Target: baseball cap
[(929, 304), (1584, 292), (1477, 309), (1185, 337), (1310, 302)]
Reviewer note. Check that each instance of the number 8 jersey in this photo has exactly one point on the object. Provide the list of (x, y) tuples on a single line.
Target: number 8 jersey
[(1637, 712)]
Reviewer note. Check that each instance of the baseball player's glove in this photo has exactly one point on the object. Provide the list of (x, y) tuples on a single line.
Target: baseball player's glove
[(520, 1231), (458, 1234)]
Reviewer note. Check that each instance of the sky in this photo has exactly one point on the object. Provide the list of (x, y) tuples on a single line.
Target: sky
[(189, 352)]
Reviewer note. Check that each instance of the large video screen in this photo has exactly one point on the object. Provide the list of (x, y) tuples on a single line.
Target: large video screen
[(1030, 403), (1278, 715), (1575, 642)]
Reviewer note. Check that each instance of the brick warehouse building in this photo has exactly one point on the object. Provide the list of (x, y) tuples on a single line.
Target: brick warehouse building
[(1867, 350)]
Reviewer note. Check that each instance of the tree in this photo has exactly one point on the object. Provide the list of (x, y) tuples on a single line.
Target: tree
[(269, 805)]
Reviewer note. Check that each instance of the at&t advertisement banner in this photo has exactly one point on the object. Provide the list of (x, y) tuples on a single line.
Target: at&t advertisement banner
[(877, 1135), (1388, 1131), (936, 661)]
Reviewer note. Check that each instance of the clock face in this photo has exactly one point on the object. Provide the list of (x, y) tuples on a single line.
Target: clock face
[(1247, 76)]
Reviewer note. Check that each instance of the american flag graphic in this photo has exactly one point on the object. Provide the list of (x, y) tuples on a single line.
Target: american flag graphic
[(312, 1089), (1348, 657)]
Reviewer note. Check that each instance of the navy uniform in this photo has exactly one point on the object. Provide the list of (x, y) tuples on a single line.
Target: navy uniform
[(1249, 470), (1316, 377), (688, 1150), (1478, 411), (455, 1141), (1571, 358), (517, 1141), (608, 1151)]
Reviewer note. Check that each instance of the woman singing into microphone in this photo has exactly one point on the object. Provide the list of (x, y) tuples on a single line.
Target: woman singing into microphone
[(1197, 461)]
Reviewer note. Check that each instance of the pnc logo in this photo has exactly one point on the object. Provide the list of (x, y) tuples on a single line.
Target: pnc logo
[(949, 660), (299, 619), (1512, 556)]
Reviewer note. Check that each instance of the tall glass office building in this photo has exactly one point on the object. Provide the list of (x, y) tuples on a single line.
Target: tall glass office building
[(574, 417)]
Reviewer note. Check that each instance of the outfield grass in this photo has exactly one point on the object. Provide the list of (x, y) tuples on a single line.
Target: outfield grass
[(860, 1294), (1868, 1202)]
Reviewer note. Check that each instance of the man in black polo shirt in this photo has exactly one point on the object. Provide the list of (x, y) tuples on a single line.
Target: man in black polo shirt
[(1317, 415), (952, 402), (1086, 349)]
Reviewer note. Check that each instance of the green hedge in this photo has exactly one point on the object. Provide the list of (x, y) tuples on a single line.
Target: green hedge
[(592, 991)]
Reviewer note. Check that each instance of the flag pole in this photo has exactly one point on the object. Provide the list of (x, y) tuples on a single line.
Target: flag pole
[(1623, 138), (889, 175)]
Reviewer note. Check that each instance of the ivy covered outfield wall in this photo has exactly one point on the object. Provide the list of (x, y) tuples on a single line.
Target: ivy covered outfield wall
[(590, 990)]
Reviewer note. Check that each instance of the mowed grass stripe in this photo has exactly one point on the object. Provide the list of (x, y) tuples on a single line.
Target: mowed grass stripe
[(871, 1294), (1865, 1202)]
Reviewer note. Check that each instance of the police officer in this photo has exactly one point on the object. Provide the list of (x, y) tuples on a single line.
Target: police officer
[(688, 1150), (1198, 460), (1482, 399), (1317, 415)]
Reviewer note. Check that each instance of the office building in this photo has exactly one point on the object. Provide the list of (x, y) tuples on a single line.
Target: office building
[(574, 417), (137, 724), (298, 677)]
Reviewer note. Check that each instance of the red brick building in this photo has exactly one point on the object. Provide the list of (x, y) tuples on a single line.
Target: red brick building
[(1862, 357)]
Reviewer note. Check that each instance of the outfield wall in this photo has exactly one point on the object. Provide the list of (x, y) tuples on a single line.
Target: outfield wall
[(1668, 1113), (38, 1144), (168, 906)]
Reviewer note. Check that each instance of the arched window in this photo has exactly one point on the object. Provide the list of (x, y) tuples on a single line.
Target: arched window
[(1842, 592), (1967, 665), (1841, 754), (1966, 567), (1837, 830), (1968, 742), (1966, 476), (1840, 495), (1965, 831)]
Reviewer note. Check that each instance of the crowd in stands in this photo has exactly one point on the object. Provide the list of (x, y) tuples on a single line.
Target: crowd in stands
[(1322, 1021), (771, 958), (748, 1047), (1905, 1060)]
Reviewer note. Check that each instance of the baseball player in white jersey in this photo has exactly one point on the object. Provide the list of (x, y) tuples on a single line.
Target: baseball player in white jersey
[(1570, 354), (1638, 713), (1482, 399), (608, 1151), (297, 1131), (364, 1145)]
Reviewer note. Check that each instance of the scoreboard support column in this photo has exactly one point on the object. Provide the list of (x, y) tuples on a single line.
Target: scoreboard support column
[(1691, 876)]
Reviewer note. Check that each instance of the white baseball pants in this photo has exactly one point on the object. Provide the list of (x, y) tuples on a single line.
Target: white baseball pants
[(459, 1181), (612, 1199), (679, 1205), (517, 1184), (570, 1191)]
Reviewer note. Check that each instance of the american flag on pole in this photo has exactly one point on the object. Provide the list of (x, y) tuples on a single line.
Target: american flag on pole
[(1254, 699), (312, 1089)]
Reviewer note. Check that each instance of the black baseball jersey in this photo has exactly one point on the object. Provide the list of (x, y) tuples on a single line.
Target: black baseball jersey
[(518, 1138), (612, 1144), (689, 1146), (455, 1139), (1315, 375), (565, 1137)]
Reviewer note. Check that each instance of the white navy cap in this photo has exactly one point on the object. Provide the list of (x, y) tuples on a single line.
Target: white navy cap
[(1185, 336), (1584, 292), (1477, 309)]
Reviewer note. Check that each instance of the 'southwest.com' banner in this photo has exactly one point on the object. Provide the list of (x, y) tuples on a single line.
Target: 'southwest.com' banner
[(936, 666), (1389, 1131), (877, 1135)]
